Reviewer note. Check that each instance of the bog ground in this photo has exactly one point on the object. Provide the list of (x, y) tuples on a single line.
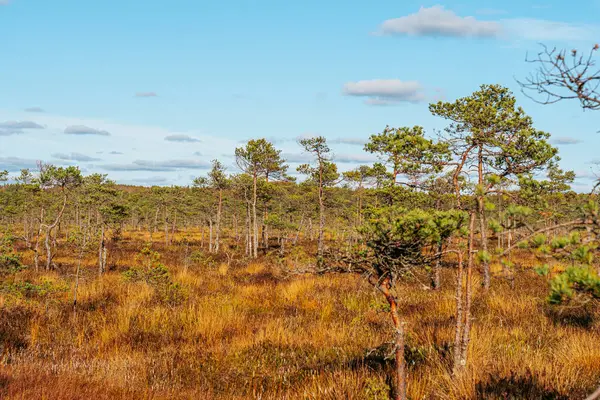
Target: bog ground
[(246, 329)]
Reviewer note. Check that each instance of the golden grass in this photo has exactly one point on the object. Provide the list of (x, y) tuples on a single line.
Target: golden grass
[(244, 333)]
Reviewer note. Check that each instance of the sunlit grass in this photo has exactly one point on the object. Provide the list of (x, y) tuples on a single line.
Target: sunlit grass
[(243, 332)]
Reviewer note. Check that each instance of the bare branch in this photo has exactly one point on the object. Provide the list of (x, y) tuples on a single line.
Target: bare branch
[(563, 74)]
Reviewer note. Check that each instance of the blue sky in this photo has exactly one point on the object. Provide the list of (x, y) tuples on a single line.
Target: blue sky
[(151, 91)]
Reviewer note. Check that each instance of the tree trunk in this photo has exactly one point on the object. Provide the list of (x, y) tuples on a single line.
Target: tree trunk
[(36, 248), (299, 229), (77, 272), (254, 218), (236, 231), (458, 329), (49, 231), (436, 282), (398, 341), (218, 233), (321, 213), (463, 304), (102, 252), (166, 227), (468, 301), (482, 224), (210, 236), (48, 251), (248, 229)]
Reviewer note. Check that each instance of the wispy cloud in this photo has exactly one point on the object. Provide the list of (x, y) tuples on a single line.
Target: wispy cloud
[(539, 29), (151, 180), (351, 141), (74, 157), (8, 132), (34, 110), (12, 164), (437, 21), (181, 138), (354, 158), (146, 94), (565, 140), (20, 125), (148, 165), (385, 91), (297, 157), (115, 152), (84, 130)]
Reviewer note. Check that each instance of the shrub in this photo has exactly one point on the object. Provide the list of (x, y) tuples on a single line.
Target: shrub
[(156, 274)]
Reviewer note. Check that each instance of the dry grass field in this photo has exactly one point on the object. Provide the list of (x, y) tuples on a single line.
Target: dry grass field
[(244, 329)]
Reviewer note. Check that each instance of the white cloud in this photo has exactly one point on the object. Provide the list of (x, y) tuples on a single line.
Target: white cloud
[(437, 21), (150, 165), (181, 138), (350, 141), (354, 158), (20, 125), (8, 132), (74, 157), (385, 91), (16, 163), (84, 130)]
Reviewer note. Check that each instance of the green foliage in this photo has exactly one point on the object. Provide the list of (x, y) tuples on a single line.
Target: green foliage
[(575, 238), (65, 178), (545, 249), (489, 206), (537, 191), (203, 259), (494, 226), (378, 305), (396, 237), (216, 178), (515, 211), (543, 270), (45, 289), (560, 242), (258, 158), (156, 274), (538, 240), (375, 389), (584, 254), (483, 257), (324, 172), (575, 281), (10, 262), (488, 123), (407, 151)]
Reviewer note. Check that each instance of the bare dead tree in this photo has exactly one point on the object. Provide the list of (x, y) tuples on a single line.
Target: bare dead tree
[(562, 75)]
